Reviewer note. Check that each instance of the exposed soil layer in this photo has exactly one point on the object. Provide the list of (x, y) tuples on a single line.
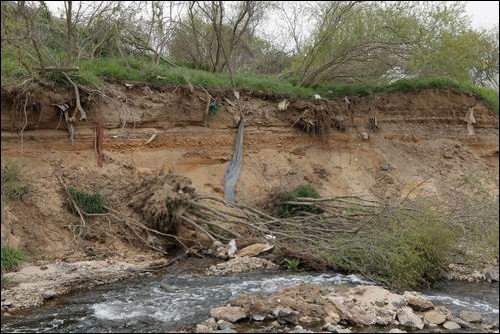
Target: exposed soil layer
[(422, 141)]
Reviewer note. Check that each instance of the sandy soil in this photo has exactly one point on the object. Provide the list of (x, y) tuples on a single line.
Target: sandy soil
[(423, 137)]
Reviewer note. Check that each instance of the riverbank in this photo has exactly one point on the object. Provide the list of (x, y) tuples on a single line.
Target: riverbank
[(33, 285)]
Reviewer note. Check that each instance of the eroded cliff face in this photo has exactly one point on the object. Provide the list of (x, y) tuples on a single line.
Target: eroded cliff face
[(422, 147)]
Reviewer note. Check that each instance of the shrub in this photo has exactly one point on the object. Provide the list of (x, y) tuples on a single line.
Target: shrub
[(302, 191), (292, 264), (405, 252), (11, 258), (87, 201), (13, 186)]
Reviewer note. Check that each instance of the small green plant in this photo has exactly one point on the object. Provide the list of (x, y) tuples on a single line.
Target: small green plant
[(302, 191), (11, 258), (291, 264), (87, 201), (13, 186)]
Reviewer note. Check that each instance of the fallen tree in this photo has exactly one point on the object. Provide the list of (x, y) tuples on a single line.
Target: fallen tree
[(401, 244)]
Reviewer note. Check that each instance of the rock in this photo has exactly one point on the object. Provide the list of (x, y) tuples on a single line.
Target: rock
[(407, 318), (300, 329), (417, 301), (241, 265), (386, 167), (396, 330), (470, 316), (434, 318), (461, 323), (448, 154), (210, 322), (167, 288), (7, 303), (329, 327), (450, 325), (285, 315), (254, 250), (305, 320), (203, 329), (258, 317), (222, 324), (275, 324), (331, 311), (227, 330), (44, 267), (491, 275), (228, 313), (48, 294), (379, 303), (330, 320), (477, 276), (364, 135), (444, 311)]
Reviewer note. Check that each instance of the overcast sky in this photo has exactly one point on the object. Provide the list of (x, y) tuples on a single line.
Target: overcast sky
[(484, 13)]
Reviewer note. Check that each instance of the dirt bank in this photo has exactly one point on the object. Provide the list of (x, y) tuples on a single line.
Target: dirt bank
[(422, 137)]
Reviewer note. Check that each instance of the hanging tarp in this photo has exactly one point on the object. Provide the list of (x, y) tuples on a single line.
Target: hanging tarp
[(233, 169)]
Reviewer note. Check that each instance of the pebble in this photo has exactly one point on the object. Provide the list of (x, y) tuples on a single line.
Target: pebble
[(450, 325), (227, 330), (222, 324), (48, 294), (203, 329)]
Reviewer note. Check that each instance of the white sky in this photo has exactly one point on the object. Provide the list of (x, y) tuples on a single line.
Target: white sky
[(484, 13)]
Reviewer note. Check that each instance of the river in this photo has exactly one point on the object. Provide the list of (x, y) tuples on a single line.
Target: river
[(166, 302)]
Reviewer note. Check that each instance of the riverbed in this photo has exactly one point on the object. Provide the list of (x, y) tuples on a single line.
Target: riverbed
[(166, 302)]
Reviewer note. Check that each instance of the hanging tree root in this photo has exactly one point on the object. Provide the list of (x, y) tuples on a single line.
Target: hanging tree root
[(78, 107)]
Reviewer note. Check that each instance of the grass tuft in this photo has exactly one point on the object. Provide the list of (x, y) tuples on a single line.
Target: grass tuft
[(304, 191), (89, 202), (13, 186), (11, 258)]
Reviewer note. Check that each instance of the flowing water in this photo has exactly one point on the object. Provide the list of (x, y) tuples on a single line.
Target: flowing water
[(169, 303)]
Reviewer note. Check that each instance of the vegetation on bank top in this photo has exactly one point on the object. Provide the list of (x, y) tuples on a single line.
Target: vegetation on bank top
[(97, 71)]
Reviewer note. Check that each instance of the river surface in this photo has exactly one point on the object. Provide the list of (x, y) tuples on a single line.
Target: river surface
[(169, 303)]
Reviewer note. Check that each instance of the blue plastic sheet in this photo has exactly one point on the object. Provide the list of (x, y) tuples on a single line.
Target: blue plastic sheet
[(233, 169)]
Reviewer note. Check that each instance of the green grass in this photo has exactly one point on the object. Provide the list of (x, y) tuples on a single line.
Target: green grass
[(11, 258), (291, 264), (88, 202), (94, 72), (13, 185), (304, 190)]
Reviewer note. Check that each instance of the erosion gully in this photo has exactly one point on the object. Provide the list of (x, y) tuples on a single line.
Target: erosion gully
[(171, 302)]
